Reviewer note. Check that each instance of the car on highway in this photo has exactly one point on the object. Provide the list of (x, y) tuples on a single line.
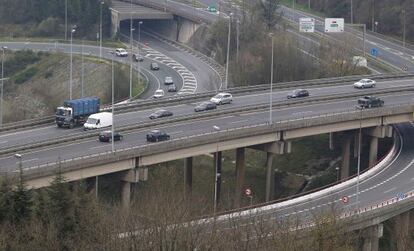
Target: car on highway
[(137, 57), (154, 67), (365, 83), (158, 93), (157, 135), (168, 81), (172, 88), (119, 52), (222, 98), (160, 113), (106, 136), (369, 102), (204, 106), (298, 93)]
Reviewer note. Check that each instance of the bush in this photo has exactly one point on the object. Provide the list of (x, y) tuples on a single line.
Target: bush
[(48, 27), (19, 61), (25, 75)]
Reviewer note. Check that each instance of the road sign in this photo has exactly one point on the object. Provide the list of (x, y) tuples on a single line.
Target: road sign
[(212, 8), (374, 52), (248, 191), (401, 196), (334, 25), (306, 24), (344, 199)]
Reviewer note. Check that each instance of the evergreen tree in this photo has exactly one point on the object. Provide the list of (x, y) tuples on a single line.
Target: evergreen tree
[(6, 198), (22, 201)]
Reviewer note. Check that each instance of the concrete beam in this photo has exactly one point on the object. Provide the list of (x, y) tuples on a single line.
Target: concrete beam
[(346, 148), (188, 175), (240, 173), (135, 175), (277, 147), (379, 131), (270, 177)]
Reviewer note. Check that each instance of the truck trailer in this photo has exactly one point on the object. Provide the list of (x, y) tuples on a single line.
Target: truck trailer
[(75, 112)]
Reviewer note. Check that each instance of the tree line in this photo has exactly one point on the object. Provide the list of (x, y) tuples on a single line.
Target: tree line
[(49, 15)]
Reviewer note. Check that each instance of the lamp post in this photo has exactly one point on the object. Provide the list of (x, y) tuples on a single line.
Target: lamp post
[(130, 60), (71, 61), (20, 166), (112, 87), (271, 85), (228, 53), (359, 158), (404, 21), (217, 173), (352, 11), (337, 173), (3, 48), (139, 40), (364, 27), (237, 40), (66, 20), (100, 31), (82, 70)]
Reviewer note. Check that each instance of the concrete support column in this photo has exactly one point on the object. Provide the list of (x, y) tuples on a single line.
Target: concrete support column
[(373, 151), (125, 194), (92, 185), (240, 172), (371, 237), (188, 175), (345, 157), (401, 235), (217, 168), (270, 177), (331, 141)]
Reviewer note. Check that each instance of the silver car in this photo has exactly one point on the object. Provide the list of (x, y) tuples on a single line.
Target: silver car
[(222, 98)]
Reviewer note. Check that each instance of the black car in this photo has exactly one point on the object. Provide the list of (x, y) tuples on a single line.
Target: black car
[(172, 88), (369, 101), (137, 57), (160, 113), (157, 135), (154, 67), (106, 136), (208, 105), (298, 93)]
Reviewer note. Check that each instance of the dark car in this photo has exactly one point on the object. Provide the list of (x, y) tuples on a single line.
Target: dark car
[(369, 101), (172, 88), (298, 93), (106, 136), (137, 57), (160, 113), (207, 105), (157, 135), (154, 67)]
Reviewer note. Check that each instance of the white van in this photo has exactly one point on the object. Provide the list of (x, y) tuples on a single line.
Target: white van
[(98, 120)]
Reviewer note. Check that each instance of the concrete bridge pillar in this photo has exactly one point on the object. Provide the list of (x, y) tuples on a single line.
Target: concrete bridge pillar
[(127, 178), (401, 239), (371, 237), (240, 174), (331, 141), (270, 177), (125, 194), (217, 168), (92, 185), (346, 148), (375, 133), (373, 151), (188, 175)]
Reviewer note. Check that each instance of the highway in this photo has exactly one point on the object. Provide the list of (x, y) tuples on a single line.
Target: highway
[(183, 129), (46, 133)]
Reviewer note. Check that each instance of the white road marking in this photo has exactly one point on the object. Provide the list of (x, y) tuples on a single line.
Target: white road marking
[(28, 160), (238, 121), (389, 190)]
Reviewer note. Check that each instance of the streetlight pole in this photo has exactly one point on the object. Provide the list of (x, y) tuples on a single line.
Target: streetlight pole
[(373, 16), (100, 32), (112, 86), (217, 174), (293, 4), (139, 39), (130, 60), (309, 7), (271, 85), (237, 40), (228, 53), (364, 26), (3, 48), (337, 173), (404, 21), (71, 61), (66, 20), (359, 158), (19, 158), (352, 11), (82, 71)]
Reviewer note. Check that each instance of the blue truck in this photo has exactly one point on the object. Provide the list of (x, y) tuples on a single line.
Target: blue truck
[(76, 111)]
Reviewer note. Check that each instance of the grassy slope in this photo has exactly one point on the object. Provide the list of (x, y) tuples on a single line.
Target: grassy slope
[(40, 95)]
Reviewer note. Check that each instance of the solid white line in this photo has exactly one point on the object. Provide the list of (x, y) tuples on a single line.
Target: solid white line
[(30, 160), (389, 190)]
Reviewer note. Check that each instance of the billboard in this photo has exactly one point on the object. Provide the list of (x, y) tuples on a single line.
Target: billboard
[(334, 25), (306, 24)]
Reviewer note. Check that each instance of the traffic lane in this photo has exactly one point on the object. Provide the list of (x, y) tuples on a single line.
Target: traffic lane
[(200, 126), (123, 119), (207, 78)]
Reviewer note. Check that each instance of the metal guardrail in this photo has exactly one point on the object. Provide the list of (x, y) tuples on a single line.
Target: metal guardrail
[(127, 107), (211, 137), (198, 116)]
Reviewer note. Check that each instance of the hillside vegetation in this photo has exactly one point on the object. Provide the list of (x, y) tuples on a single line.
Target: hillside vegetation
[(39, 82)]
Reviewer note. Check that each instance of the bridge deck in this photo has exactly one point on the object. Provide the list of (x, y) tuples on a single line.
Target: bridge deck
[(124, 11)]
